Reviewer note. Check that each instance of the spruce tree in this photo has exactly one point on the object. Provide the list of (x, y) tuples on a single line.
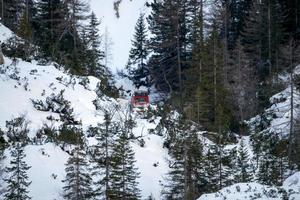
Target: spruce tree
[(70, 44), (48, 26), (102, 155), (124, 174), (168, 25), (17, 183), (218, 167), (78, 182), (94, 55), (175, 184), (12, 12), (137, 64), (243, 170), (186, 178)]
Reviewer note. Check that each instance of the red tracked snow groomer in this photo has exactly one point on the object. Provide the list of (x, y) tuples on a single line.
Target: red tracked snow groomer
[(140, 100)]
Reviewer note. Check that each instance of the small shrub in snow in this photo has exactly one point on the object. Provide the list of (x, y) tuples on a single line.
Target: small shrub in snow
[(26, 84), (70, 135), (97, 104), (58, 104), (142, 142), (46, 134), (84, 81), (39, 105), (14, 75), (16, 47), (17, 130), (33, 72), (52, 118), (67, 81)]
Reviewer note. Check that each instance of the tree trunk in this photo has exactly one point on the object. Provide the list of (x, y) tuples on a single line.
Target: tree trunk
[(215, 75), (186, 183), (179, 57), (201, 40), (296, 20), (269, 38), (291, 136), (1, 57), (225, 48), (106, 162)]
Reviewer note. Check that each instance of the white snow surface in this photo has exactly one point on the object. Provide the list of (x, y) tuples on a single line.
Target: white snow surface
[(250, 191), (5, 33)]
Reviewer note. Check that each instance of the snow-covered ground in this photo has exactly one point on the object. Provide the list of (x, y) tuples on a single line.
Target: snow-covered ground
[(250, 191)]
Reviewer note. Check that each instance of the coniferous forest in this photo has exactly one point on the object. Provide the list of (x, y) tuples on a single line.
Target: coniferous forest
[(218, 67)]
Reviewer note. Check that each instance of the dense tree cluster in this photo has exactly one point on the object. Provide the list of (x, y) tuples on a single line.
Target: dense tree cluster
[(64, 30), (224, 62)]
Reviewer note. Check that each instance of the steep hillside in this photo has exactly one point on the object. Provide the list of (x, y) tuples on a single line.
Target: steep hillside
[(22, 83), (270, 127)]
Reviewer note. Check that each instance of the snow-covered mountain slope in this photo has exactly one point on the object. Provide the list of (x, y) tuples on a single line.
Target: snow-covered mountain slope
[(250, 191), (276, 118), (21, 82), (274, 121)]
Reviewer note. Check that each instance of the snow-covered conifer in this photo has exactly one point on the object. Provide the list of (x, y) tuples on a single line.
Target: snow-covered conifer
[(138, 55), (17, 181), (78, 182), (124, 174)]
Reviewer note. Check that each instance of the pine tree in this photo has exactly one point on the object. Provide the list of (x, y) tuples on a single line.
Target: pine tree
[(218, 167), (138, 55), (78, 182), (242, 84), (243, 170), (94, 55), (25, 32), (123, 176), (25, 29), (12, 12), (175, 185), (186, 178), (102, 155), (48, 26), (168, 25), (17, 182), (69, 44)]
